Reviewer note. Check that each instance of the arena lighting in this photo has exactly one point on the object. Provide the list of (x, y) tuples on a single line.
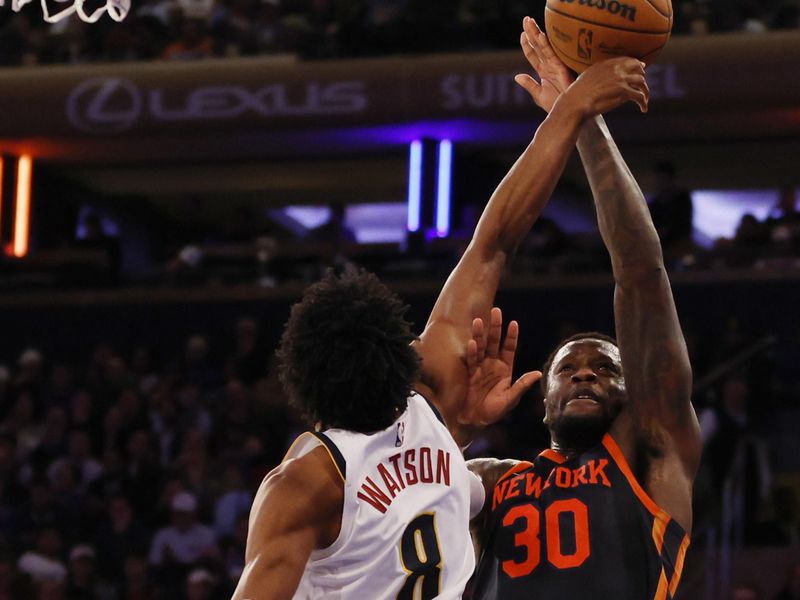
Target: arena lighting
[(414, 185), (444, 190), (22, 209), (2, 166)]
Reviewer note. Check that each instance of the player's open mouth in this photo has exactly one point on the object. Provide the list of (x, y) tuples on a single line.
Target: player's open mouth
[(583, 396)]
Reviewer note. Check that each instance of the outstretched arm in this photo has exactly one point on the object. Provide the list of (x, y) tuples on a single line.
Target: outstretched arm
[(509, 215), (661, 421), (655, 360)]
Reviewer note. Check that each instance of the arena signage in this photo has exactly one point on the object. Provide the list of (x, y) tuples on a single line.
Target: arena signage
[(112, 105)]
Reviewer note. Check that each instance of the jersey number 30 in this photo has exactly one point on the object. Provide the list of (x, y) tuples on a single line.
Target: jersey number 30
[(421, 559), (529, 536)]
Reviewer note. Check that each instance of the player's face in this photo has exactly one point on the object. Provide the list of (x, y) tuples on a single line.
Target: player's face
[(585, 391)]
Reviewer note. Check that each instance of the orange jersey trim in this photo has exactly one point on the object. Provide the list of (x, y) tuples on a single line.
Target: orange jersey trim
[(676, 576), (659, 528), (554, 456), (622, 463), (520, 466)]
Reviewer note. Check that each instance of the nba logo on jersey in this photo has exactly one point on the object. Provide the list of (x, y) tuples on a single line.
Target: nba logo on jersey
[(401, 428)]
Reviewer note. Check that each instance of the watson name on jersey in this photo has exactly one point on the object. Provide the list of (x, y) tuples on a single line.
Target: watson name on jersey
[(405, 521)]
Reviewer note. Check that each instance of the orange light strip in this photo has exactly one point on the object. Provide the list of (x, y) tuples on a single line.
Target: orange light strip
[(2, 168), (22, 210)]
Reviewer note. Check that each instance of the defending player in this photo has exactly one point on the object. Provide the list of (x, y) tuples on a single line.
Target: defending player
[(379, 505), (606, 512)]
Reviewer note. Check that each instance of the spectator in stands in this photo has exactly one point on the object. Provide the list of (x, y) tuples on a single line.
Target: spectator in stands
[(83, 581), (236, 500), (745, 591), (671, 209), (185, 541), (792, 589), (193, 44), (44, 562), (783, 529), (200, 585), (120, 535)]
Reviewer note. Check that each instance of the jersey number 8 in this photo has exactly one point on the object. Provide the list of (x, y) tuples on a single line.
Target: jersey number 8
[(421, 559)]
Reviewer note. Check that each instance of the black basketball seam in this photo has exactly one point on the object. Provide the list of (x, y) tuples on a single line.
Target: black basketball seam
[(658, 10), (567, 56), (643, 31)]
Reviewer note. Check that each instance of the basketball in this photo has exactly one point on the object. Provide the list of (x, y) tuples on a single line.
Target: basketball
[(583, 32)]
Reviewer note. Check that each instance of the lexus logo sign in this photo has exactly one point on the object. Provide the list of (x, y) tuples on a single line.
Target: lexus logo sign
[(112, 105), (104, 105)]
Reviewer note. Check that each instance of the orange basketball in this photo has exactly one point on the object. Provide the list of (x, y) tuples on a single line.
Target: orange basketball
[(583, 32)]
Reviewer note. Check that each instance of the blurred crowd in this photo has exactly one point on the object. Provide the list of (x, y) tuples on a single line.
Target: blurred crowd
[(196, 29), (131, 477), (129, 474)]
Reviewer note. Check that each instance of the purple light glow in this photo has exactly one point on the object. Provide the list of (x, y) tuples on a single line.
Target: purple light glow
[(444, 188), (414, 185)]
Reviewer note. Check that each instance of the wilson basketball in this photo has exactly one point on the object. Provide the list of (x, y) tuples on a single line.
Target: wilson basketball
[(583, 32)]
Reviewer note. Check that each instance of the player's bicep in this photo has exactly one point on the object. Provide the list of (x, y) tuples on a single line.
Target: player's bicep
[(288, 521)]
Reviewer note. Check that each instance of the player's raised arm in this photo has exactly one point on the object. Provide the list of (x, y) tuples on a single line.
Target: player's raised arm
[(297, 510), (507, 218), (657, 371)]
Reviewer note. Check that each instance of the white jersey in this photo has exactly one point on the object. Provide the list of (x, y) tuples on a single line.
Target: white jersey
[(405, 521)]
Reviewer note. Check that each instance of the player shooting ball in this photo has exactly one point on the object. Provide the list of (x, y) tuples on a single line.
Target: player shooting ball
[(606, 512)]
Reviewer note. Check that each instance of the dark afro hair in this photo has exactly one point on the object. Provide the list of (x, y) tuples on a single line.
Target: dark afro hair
[(587, 335), (345, 354)]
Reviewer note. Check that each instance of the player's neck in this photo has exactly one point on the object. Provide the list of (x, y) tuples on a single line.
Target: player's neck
[(569, 450)]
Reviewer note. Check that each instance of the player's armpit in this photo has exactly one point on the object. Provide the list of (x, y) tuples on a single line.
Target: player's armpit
[(297, 510)]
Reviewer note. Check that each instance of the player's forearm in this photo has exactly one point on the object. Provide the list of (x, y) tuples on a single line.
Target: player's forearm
[(622, 213), (525, 190)]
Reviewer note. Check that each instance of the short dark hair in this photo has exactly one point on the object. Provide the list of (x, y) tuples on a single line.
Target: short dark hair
[(345, 354), (587, 335)]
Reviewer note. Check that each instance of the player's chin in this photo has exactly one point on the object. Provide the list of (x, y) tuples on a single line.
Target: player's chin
[(583, 429)]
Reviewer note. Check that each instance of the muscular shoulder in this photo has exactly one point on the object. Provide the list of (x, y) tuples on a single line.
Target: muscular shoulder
[(307, 489), (489, 470)]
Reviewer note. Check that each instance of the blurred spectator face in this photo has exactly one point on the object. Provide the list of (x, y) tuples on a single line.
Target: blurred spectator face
[(80, 446), (22, 413), (120, 513), (8, 452), (48, 542), (65, 479), (61, 378), (189, 396), (82, 563), (50, 590), (734, 396), (81, 408), (183, 520), (30, 364), (56, 424), (116, 372), (136, 569), (199, 585), (141, 361), (196, 349), (246, 333), (40, 495), (744, 592), (138, 445)]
